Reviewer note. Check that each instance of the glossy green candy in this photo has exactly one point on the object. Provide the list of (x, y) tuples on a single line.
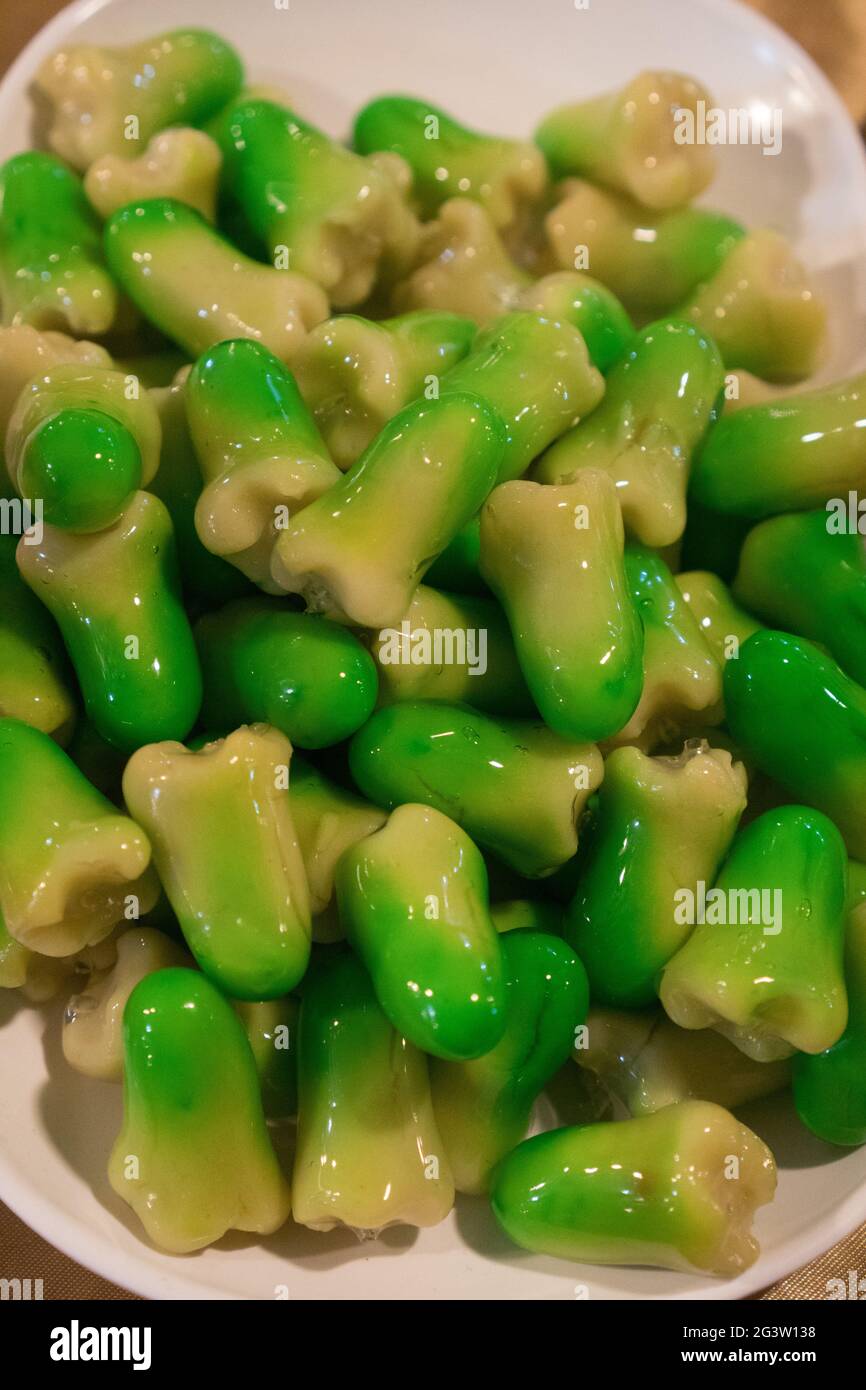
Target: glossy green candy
[(724, 625), (361, 550), (449, 160), (329, 820), (483, 1107), (116, 597), (113, 100), (34, 681), (796, 575), (764, 963), (803, 722), (527, 914), (513, 785), (413, 901), (462, 267), (659, 1190), (590, 307), (272, 1033), (369, 1154), (663, 824), (786, 455), (178, 163), (305, 676), (71, 867), (554, 556), (355, 375), (198, 289), (193, 1158), (659, 401), (535, 372), (52, 270), (650, 260), (227, 854), (84, 465)]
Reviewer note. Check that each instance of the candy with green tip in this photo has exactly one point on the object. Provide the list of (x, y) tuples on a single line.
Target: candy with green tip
[(115, 596), (462, 267), (198, 289), (590, 307), (483, 1106), (71, 867), (52, 268), (262, 663), (659, 401), (764, 964), (663, 825), (554, 557), (724, 624), (329, 820), (659, 1190), (361, 550), (34, 675), (527, 914), (413, 899), (114, 100), (272, 1033), (227, 854), (84, 465), (180, 163), (452, 647), (355, 375), (512, 784), (369, 1154), (193, 1158)]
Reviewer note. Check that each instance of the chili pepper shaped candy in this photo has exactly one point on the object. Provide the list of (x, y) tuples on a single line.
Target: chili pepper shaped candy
[(462, 267), (554, 556), (115, 596), (193, 1158), (630, 139), (355, 375), (84, 465), (198, 289), (361, 550), (180, 163), (302, 674), (764, 964), (329, 820), (483, 1106), (260, 453), (589, 306), (272, 1032), (513, 785), (227, 854), (802, 721), (413, 899), (660, 399), (676, 1189), (369, 1154), (71, 867), (114, 100), (92, 1022), (34, 675), (52, 268), (724, 624), (663, 826), (651, 261)]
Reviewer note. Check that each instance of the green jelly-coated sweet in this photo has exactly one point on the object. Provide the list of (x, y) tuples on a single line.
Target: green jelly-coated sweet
[(512, 784), (272, 1033), (483, 1106), (590, 307), (329, 820), (725, 626), (178, 163), (34, 678), (527, 914), (193, 1158), (84, 465)]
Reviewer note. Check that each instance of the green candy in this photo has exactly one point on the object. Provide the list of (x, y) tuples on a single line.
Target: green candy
[(84, 465), (360, 551), (662, 825), (272, 1033), (329, 820), (786, 455), (590, 307), (34, 681), (535, 372), (52, 270), (71, 867), (227, 854), (448, 160), (198, 289), (659, 1190), (724, 625), (795, 574), (115, 595), (305, 676), (513, 785), (483, 1107), (369, 1154), (554, 557), (413, 901), (527, 914), (764, 964), (193, 1158), (659, 401), (802, 721)]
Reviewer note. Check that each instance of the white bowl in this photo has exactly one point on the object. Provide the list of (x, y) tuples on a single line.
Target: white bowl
[(499, 64)]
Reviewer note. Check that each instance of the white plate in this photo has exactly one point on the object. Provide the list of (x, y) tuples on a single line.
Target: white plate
[(500, 64)]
